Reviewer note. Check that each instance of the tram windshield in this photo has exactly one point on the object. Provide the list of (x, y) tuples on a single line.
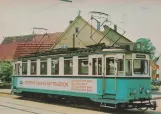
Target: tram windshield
[(140, 66)]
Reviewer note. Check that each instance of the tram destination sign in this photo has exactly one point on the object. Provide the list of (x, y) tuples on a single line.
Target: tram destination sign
[(140, 56)]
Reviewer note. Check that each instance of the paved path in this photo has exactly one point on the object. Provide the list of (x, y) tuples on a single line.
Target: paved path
[(5, 91), (20, 106), (155, 94), (16, 105)]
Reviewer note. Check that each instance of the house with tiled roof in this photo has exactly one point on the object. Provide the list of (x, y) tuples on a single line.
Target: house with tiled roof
[(81, 33), (16, 46), (17, 39), (7, 51)]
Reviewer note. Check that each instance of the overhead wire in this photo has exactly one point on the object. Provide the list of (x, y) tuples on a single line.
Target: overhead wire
[(62, 2), (45, 8), (132, 2), (54, 5), (113, 23)]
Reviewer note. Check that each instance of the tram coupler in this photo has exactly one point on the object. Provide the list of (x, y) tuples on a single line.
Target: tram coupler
[(145, 105), (142, 106), (153, 105)]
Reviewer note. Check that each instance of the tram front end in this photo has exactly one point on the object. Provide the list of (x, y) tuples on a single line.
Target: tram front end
[(127, 82)]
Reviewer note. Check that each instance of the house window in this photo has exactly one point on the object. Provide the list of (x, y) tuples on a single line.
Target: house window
[(43, 67), (33, 67), (55, 67), (68, 66), (83, 66), (24, 68), (76, 29)]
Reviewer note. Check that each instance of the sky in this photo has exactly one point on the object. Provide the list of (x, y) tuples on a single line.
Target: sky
[(139, 18)]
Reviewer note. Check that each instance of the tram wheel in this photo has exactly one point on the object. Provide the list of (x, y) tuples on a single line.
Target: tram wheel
[(120, 107), (142, 109)]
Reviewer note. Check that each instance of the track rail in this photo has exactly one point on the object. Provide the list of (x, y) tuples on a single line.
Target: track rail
[(25, 108)]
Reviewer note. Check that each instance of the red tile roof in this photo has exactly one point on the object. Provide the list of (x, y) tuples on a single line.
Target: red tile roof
[(10, 50), (7, 51), (46, 38)]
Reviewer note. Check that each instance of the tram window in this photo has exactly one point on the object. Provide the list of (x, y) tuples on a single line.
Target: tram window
[(140, 66), (24, 68), (128, 67), (43, 68), (120, 66), (94, 66), (55, 67), (17, 68), (97, 66), (33, 67), (68, 66), (83, 66), (149, 68), (110, 66)]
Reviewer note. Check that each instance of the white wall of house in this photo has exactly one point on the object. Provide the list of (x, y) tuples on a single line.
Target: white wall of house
[(83, 38)]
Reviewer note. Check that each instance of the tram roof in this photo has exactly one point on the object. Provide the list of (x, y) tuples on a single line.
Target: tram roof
[(89, 50)]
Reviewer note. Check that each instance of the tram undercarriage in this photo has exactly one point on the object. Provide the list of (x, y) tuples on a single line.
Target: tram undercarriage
[(140, 104)]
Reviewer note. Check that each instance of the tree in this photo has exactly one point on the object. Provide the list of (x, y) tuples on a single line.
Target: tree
[(5, 71), (146, 45)]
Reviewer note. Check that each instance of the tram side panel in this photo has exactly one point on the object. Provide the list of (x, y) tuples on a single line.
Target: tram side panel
[(125, 88), (113, 88), (80, 87), (14, 83)]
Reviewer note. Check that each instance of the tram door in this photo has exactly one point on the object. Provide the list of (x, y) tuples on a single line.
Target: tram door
[(96, 65), (114, 65), (110, 66), (110, 73)]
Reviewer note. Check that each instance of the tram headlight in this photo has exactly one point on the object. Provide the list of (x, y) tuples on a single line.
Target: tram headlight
[(147, 91)]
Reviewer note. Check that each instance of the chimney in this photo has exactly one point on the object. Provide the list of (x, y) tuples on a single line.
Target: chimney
[(70, 22), (98, 25), (115, 28)]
